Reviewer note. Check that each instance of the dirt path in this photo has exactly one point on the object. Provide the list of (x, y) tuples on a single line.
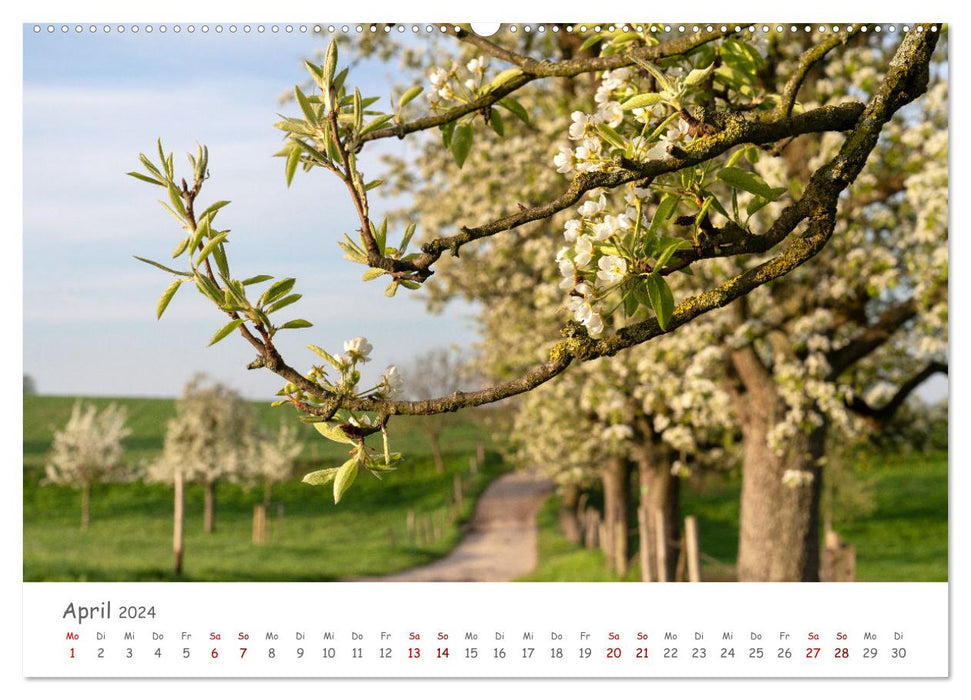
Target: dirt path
[(500, 544)]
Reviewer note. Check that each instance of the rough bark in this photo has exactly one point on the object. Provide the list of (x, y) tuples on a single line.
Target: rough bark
[(660, 492), (209, 513), (779, 522), (616, 486)]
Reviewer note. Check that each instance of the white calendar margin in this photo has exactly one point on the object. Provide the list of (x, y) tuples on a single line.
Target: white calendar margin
[(507, 10), (215, 622)]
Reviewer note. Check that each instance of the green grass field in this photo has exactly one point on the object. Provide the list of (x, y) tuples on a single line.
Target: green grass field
[(130, 538), (901, 537)]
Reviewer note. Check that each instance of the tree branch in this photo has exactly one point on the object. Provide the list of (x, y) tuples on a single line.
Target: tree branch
[(904, 81), (879, 417), (809, 59), (871, 337), (535, 70)]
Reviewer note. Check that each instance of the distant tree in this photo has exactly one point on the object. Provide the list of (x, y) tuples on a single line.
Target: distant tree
[(30, 386), (273, 459), (88, 450), (209, 439), (438, 372)]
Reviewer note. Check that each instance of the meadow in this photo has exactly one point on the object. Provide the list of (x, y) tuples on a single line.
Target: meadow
[(309, 538), (900, 535)]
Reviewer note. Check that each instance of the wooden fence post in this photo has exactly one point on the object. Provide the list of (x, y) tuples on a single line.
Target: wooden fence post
[(692, 550), (412, 534), (660, 537), (259, 524), (646, 550), (177, 547), (459, 494)]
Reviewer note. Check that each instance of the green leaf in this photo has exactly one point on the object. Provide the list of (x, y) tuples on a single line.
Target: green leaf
[(646, 99), (285, 301), (176, 198), (591, 40), (391, 289), (202, 232), (256, 280), (447, 130), (462, 142), (381, 235), (376, 123), (146, 178), (372, 274), (316, 73), (662, 301), (226, 330), (513, 106), (406, 239), (330, 64), (308, 109), (277, 290), (610, 135), (180, 248), (321, 477), (664, 211), (326, 355), (495, 121), (166, 297), (750, 182), (296, 323), (333, 431), (410, 94), (345, 477), (698, 75), (755, 205), (210, 246), (358, 110), (504, 77), (208, 289), (222, 264), (160, 266), (150, 166), (669, 250), (655, 71), (293, 160)]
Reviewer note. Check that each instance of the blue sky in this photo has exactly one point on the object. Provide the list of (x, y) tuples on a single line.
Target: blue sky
[(92, 102)]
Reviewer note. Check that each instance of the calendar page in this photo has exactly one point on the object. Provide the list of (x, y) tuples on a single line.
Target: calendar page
[(530, 350)]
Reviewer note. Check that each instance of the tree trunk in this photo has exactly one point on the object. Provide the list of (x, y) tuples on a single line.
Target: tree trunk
[(616, 486), (660, 493), (85, 506), (209, 513), (437, 453), (779, 519), (569, 517), (179, 523)]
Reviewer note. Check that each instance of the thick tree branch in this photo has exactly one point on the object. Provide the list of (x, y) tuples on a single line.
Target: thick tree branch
[(738, 130), (904, 81)]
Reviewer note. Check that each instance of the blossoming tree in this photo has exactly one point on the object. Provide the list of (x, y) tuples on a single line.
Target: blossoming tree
[(210, 438), (661, 176), (88, 451)]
